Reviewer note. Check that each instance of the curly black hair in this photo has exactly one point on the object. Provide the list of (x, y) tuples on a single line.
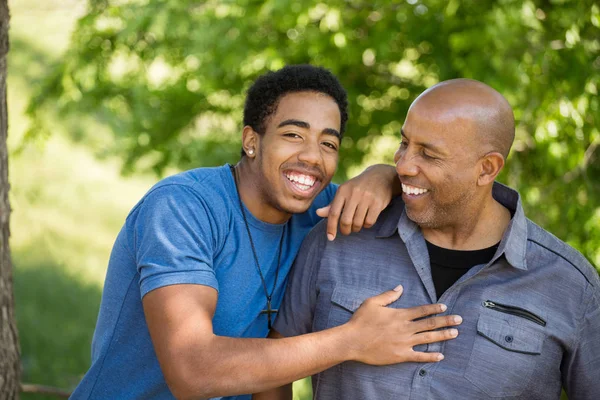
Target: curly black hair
[(266, 92)]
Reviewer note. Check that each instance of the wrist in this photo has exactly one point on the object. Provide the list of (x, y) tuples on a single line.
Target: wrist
[(346, 342)]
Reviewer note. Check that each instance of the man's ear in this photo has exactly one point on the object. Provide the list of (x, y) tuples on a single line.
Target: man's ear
[(490, 166), (250, 141)]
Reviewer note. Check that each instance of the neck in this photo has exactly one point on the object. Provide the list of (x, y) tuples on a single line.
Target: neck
[(483, 229), (249, 188)]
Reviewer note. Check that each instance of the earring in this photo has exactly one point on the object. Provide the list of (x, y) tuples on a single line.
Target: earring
[(250, 151)]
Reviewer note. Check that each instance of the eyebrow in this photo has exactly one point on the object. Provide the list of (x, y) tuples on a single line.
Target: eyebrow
[(430, 146), (306, 125)]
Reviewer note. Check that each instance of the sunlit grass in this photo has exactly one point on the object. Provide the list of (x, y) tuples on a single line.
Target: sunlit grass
[(56, 313), (67, 208)]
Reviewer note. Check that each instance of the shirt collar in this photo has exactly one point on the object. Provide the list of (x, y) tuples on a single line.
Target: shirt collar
[(514, 241)]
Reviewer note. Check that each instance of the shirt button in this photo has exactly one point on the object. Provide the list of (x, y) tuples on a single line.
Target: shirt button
[(422, 372), (508, 338)]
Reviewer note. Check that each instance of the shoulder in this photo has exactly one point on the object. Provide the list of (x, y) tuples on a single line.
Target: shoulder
[(317, 235), (195, 202), (545, 248), (202, 182), (309, 218), (204, 187), (385, 226)]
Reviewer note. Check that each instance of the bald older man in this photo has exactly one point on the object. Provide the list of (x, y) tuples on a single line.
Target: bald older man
[(530, 303)]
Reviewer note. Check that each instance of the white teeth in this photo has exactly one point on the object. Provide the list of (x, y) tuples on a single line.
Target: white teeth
[(413, 190), (303, 182)]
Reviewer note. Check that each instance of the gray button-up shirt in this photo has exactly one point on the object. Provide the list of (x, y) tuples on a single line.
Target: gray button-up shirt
[(531, 315)]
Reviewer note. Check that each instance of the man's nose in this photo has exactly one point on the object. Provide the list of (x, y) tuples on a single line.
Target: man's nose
[(310, 153), (405, 164)]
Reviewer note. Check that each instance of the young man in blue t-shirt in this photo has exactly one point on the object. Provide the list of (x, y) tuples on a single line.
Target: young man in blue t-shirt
[(198, 270)]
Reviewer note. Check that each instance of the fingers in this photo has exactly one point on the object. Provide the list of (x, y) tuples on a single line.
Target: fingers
[(323, 212), (360, 211), (333, 216), (435, 336), (372, 215), (349, 213), (432, 323), (358, 222), (386, 298), (352, 209), (420, 357), (425, 310)]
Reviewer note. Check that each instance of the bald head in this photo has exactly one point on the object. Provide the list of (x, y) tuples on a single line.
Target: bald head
[(476, 105)]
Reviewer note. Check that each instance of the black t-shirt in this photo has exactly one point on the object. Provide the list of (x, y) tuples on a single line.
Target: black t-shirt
[(448, 265)]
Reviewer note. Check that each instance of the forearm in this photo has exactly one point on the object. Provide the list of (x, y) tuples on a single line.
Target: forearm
[(228, 366)]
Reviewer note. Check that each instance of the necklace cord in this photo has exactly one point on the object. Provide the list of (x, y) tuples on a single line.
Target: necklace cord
[(268, 295)]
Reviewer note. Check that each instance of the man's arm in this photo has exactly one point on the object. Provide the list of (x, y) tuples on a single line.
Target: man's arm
[(581, 365), (359, 201), (197, 363), (284, 392)]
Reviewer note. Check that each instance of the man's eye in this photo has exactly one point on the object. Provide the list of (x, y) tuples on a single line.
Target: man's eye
[(291, 134), (331, 145), (403, 144), (427, 156)]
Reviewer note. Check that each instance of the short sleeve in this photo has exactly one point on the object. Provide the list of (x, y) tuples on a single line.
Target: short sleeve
[(295, 315), (174, 239)]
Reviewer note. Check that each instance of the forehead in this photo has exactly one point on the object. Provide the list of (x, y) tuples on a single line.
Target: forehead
[(317, 109), (440, 126)]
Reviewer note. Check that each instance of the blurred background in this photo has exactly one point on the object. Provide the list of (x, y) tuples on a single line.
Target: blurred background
[(105, 97)]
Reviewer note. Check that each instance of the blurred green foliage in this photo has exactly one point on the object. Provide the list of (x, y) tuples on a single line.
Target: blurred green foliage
[(168, 78)]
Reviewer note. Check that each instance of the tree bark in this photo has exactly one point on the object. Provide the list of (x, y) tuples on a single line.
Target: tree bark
[(9, 340)]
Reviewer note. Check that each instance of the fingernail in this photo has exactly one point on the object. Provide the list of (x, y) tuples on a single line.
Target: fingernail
[(454, 332), (398, 288), (440, 357), (330, 237), (457, 319), (443, 307)]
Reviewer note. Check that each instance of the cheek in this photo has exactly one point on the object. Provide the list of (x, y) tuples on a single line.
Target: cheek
[(331, 162), (397, 155)]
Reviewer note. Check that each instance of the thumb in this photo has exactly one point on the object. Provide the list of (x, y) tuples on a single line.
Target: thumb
[(387, 298), (323, 212)]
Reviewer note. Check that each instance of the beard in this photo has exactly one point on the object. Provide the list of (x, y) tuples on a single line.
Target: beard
[(441, 214)]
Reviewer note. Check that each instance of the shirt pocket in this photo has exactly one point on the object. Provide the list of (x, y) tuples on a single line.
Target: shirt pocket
[(345, 300), (505, 353), (351, 379)]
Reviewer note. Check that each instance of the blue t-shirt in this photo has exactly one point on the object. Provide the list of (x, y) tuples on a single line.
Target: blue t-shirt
[(188, 229)]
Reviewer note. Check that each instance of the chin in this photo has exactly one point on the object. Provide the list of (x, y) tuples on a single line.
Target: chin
[(424, 220), (296, 207)]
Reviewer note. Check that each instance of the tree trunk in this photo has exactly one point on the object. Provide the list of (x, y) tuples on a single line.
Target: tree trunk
[(9, 341)]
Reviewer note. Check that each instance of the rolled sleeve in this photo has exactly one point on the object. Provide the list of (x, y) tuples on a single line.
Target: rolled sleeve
[(174, 240), (295, 316)]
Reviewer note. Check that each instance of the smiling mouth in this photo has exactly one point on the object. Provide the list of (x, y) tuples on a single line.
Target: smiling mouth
[(302, 182), (413, 190)]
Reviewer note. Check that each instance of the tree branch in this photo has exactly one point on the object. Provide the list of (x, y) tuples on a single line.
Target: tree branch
[(40, 389), (587, 156)]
